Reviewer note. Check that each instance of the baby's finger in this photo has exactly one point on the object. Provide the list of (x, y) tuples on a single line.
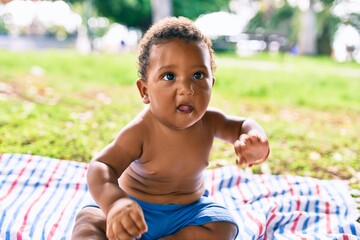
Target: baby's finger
[(130, 227), (243, 138), (139, 220), (237, 147), (260, 137), (249, 139), (117, 231), (109, 233), (254, 138), (241, 160)]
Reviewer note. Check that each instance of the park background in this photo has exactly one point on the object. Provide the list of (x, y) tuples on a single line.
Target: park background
[(67, 78)]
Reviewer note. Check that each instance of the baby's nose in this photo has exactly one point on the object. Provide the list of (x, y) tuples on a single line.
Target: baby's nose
[(186, 88)]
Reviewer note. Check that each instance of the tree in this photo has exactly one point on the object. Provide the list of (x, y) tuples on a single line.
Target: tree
[(161, 9), (327, 25), (141, 13), (311, 30), (194, 8), (316, 28), (307, 33), (133, 13), (271, 21)]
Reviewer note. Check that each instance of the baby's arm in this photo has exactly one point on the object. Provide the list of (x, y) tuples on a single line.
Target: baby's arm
[(249, 138), (125, 218)]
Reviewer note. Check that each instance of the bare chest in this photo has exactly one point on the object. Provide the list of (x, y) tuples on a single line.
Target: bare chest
[(169, 166)]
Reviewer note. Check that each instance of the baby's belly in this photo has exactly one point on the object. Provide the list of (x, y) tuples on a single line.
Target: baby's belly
[(172, 189)]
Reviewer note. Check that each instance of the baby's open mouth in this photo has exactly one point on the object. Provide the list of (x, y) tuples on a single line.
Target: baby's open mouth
[(185, 108)]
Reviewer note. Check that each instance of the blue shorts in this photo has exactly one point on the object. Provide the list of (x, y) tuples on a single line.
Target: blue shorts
[(166, 219)]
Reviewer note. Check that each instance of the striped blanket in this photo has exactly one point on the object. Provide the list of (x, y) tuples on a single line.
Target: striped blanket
[(40, 196)]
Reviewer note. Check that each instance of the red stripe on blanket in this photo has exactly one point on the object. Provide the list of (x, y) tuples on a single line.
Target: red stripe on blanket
[(56, 225), (327, 211), (267, 195), (293, 228), (244, 200), (212, 191), (273, 215), (16, 180), (318, 190), (291, 189), (298, 202), (22, 228), (296, 220), (257, 222)]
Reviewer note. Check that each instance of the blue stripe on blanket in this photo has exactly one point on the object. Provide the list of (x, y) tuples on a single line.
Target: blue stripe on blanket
[(40, 196)]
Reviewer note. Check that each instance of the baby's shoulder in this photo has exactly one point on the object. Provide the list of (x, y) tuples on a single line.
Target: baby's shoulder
[(136, 124), (213, 114), (215, 118), (132, 134), (136, 127)]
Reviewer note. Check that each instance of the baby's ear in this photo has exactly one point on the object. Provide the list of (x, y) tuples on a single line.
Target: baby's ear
[(142, 87)]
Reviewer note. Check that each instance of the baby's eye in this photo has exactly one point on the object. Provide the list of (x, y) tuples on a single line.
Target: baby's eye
[(169, 76), (198, 76)]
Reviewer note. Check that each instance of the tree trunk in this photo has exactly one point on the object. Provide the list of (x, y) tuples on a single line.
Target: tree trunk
[(307, 34), (161, 9), (267, 6)]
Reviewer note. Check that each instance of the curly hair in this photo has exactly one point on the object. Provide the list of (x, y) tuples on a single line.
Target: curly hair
[(170, 28)]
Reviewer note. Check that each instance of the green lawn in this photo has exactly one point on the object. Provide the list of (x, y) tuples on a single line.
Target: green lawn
[(69, 106)]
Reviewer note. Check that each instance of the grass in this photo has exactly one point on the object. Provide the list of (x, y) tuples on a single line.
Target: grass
[(69, 106)]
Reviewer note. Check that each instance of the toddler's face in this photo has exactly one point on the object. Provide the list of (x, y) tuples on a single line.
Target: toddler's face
[(179, 82)]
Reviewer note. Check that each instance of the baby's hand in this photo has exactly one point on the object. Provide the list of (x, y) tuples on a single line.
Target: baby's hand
[(125, 220), (251, 149)]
